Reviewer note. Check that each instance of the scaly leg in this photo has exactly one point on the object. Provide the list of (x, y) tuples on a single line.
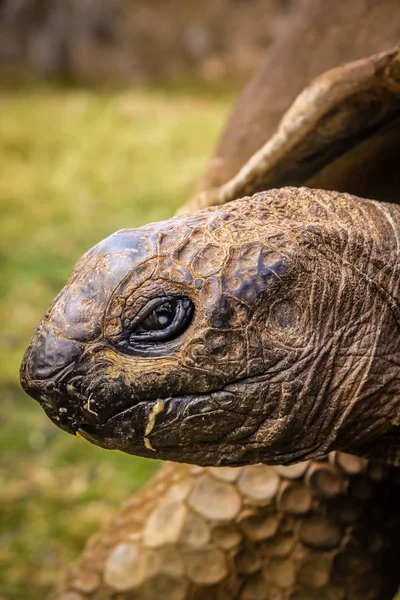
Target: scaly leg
[(322, 530)]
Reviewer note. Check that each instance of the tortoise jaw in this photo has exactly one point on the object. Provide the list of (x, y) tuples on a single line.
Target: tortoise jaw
[(145, 430), (49, 394), (208, 429), (51, 391), (166, 422), (48, 363)]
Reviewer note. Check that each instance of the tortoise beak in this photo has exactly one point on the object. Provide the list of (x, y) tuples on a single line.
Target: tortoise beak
[(47, 354), (49, 359)]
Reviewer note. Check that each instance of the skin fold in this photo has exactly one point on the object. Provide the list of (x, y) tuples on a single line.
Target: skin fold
[(284, 345)]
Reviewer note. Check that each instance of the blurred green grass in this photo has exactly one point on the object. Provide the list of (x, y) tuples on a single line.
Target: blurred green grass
[(75, 165)]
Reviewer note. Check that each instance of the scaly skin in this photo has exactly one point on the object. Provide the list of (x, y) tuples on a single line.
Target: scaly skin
[(291, 350), (314, 531)]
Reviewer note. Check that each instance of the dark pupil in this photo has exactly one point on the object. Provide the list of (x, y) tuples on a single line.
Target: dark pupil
[(160, 318)]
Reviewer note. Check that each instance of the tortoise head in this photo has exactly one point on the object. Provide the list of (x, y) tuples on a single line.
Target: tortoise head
[(223, 336), (262, 330)]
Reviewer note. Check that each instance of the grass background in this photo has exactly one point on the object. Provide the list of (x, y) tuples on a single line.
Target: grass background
[(75, 165)]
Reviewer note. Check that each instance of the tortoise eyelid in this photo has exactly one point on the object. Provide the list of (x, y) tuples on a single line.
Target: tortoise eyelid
[(184, 310)]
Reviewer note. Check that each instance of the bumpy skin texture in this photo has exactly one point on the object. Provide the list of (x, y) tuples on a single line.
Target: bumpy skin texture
[(290, 353), (312, 531)]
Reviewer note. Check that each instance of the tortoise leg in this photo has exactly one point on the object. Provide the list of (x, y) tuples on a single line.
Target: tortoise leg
[(325, 530)]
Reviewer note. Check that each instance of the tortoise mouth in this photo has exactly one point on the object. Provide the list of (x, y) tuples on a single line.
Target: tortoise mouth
[(163, 427), (161, 419), (207, 430), (153, 428)]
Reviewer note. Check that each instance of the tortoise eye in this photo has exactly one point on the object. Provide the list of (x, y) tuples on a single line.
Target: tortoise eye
[(161, 319)]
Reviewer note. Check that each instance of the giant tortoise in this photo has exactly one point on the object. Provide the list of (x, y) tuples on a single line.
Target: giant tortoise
[(258, 326)]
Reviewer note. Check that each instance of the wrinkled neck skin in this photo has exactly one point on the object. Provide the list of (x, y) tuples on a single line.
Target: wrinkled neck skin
[(293, 349), (351, 388)]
